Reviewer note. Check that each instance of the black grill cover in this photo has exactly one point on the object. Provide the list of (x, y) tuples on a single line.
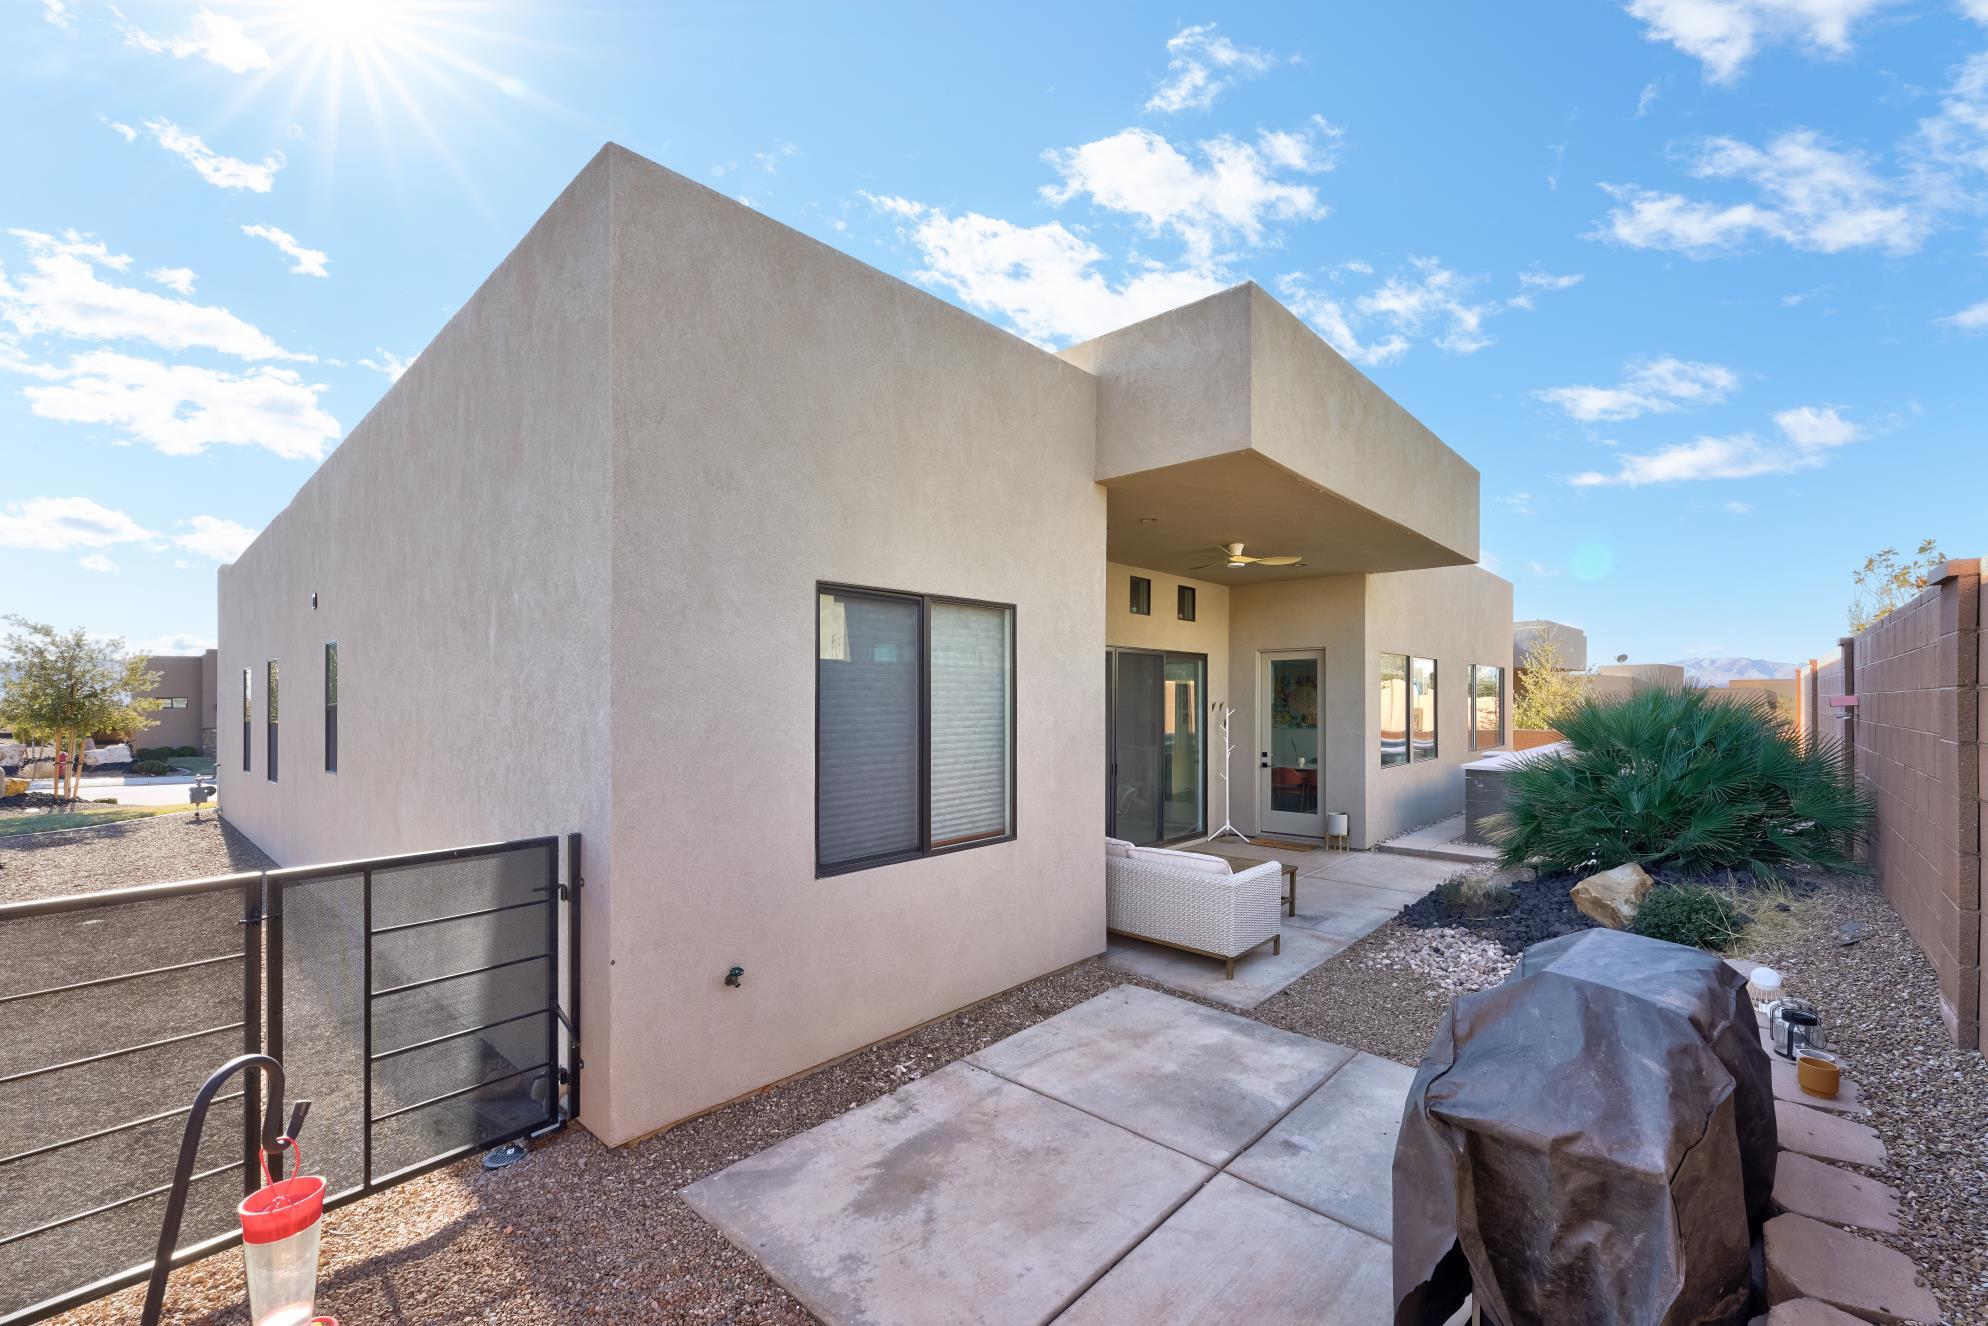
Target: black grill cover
[(1591, 1141)]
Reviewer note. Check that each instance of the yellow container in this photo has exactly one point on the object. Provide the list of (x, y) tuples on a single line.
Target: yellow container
[(1817, 1074), (15, 787)]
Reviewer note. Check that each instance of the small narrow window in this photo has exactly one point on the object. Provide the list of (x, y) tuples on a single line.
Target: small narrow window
[(248, 719), (269, 722), (1184, 603), (1394, 709), (1422, 708), (1142, 597), (1487, 706), (331, 707)]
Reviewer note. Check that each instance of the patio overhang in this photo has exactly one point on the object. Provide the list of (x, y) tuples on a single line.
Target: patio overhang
[(1229, 420)]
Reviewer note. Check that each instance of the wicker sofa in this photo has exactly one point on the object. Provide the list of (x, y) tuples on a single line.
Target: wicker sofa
[(1192, 902)]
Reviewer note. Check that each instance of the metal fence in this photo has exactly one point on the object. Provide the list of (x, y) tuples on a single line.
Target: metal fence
[(427, 1006)]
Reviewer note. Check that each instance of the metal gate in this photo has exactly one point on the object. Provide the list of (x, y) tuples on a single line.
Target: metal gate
[(426, 1005)]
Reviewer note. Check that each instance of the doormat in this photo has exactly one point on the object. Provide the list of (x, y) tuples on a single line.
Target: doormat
[(1285, 844)]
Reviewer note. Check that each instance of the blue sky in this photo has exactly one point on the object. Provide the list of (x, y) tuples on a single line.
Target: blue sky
[(1700, 286)]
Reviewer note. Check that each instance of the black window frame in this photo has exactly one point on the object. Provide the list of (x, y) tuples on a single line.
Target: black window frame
[(1503, 707), (248, 717), (923, 602), (270, 706), (331, 706), (1141, 596), (1183, 603), (1408, 756)]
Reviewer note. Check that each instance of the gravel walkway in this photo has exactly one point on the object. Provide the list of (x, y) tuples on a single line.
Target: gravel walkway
[(115, 856), (578, 1232)]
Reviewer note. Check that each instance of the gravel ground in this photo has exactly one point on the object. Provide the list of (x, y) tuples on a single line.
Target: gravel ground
[(115, 856), (579, 1232), (1879, 1000)]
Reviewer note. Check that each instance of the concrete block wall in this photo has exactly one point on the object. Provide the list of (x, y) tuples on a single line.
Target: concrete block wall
[(1918, 753)]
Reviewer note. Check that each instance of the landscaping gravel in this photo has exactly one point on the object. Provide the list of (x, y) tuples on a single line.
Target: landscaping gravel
[(114, 856), (1542, 910)]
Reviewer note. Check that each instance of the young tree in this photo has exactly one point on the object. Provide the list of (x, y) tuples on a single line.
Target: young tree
[(61, 686), (1544, 689), (1885, 583)]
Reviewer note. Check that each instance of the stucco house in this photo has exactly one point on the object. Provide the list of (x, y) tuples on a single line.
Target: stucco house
[(186, 695), (788, 585)]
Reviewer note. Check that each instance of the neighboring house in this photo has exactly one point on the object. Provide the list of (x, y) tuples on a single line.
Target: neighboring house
[(1669, 676), (185, 692), (787, 584), (1570, 642)]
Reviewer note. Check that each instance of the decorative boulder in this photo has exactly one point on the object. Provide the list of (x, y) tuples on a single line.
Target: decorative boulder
[(1613, 896), (118, 754)]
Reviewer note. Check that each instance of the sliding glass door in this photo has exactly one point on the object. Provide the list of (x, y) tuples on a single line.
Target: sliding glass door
[(1156, 719)]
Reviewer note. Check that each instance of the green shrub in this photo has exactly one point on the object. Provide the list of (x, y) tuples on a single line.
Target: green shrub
[(1688, 914), (151, 767), (185, 752), (1467, 895), (1674, 778), (144, 753)]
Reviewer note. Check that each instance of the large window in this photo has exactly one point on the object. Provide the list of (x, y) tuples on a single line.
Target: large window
[(1408, 709), (248, 719), (269, 722), (331, 707), (1487, 706), (914, 727)]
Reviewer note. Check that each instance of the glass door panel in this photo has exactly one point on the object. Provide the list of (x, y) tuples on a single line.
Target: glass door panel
[(1136, 747), (1290, 765), (1185, 701)]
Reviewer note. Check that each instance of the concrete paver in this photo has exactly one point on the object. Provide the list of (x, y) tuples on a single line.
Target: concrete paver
[(1259, 974), (1410, 875), (1238, 1256), (1824, 1192), (1204, 1083), (1334, 1153), (1808, 1259), (961, 1198), (1827, 1136)]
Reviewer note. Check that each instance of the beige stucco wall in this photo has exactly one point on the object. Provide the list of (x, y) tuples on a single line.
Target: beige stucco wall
[(1570, 642), (457, 543), (1207, 634), (787, 415)]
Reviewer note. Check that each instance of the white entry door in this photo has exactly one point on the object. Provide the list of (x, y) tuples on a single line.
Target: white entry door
[(1290, 689)]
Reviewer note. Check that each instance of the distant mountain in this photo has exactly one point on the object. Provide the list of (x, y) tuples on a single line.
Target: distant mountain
[(1719, 671)]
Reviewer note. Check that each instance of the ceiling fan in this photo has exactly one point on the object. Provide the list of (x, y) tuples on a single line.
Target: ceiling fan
[(1237, 558)]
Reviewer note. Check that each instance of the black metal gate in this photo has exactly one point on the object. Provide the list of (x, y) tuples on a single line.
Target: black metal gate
[(427, 1006)]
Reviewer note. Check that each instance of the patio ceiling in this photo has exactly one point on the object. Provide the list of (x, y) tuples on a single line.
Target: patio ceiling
[(1177, 517)]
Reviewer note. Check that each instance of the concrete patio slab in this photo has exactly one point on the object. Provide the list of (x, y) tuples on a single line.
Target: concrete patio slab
[(1236, 1254), (1259, 974), (1441, 841), (961, 1198), (1412, 875), (1342, 910), (1335, 1152), (1204, 1083)]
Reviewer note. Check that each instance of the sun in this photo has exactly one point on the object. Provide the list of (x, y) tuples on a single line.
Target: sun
[(345, 26)]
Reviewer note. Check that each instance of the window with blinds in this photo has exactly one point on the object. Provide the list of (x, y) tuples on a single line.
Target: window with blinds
[(914, 727)]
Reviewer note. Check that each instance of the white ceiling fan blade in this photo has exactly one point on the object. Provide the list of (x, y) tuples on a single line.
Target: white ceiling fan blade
[(1275, 561)]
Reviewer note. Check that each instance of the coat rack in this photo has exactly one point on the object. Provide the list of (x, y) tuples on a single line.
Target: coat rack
[(1223, 712)]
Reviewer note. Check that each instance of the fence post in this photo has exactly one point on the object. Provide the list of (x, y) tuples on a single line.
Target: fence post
[(574, 881), (1848, 644)]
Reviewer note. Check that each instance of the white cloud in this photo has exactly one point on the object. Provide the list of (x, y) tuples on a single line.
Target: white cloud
[(389, 363), (1975, 316), (1974, 9), (59, 13), (1519, 504), (215, 38), (770, 161), (223, 172), (1810, 195), (222, 540), (1809, 434), (1813, 427), (182, 409), (1425, 301), (64, 295), (1724, 34), (1334, 319), (97, 562), (1737, 509), (1648, 98), (123, 130), (1537, 281), (1649, 386), (1202, 65), (1233, 194), (303, 261), (1044, 279), (1432, 295), (177, 279), (164, 646), (56, 524)]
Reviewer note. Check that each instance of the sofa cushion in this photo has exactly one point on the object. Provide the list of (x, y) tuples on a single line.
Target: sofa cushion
[(1117, 847), (1161, 856)]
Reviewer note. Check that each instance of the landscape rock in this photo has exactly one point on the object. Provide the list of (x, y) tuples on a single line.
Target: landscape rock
[(1850, 932), (1612, 896), (1808, 1259), (1827, 1136), (1808, 1187), (1806, 1312)]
